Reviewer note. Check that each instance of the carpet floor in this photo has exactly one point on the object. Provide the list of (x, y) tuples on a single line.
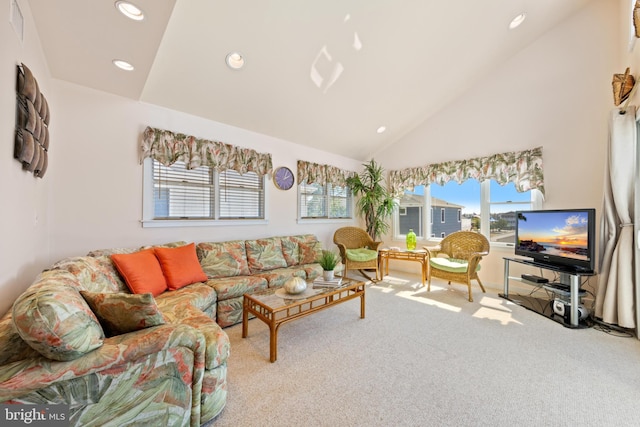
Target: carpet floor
[(431, 359)]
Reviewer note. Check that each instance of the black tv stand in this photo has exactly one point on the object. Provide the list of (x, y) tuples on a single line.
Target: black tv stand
[(569, 280)]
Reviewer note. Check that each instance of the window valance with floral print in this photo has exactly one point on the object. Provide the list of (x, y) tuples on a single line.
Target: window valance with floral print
[(167, 148), (322, 174), (523, 168)]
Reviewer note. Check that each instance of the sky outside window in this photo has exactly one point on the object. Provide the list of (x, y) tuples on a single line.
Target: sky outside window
[(466, 194)]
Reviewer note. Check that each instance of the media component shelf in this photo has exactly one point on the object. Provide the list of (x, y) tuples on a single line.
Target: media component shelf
[(568, 289)]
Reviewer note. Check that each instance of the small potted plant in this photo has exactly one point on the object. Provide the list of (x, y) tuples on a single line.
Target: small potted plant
[(328, 261)]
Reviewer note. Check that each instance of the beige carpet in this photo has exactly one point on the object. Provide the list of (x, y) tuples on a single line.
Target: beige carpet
[(422, 359)]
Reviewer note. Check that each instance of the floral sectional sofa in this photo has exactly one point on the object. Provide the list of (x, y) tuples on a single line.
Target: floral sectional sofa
[(101, 334)]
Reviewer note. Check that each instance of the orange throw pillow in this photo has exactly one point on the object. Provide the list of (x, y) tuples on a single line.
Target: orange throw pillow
[(141, 271), (180, 266)]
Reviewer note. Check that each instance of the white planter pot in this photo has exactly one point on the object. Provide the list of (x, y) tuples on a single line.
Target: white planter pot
[(327, 275)]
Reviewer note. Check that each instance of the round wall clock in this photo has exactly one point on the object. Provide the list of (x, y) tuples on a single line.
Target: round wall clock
[(283, 178)]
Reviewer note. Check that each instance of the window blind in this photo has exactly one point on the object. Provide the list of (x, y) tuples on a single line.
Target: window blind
[(201, 193), (324, 201), (180, 193), (241, 196)]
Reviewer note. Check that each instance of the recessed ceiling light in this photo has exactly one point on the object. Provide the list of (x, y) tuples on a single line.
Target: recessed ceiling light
[(235, 60), (124, 65), (381, 129), (515, 22), (130, 10)]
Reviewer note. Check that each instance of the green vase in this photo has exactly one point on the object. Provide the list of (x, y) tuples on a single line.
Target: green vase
[(411, 240)]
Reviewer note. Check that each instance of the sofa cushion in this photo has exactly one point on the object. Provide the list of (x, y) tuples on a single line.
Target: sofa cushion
[(180, 266), (265, 254), (12, 346), (55, 320), (199, 295), (120, 313), (229, 311), (294, 254), (176, 244), (231, 287), (223, 259), (290, 250), (141, 271), (95, 274), (278, 276), (218, 346), (310, 251), (110, 251), (315, 270)]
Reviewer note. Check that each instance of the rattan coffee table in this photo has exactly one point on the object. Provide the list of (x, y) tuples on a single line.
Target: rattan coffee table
[(275, 310)]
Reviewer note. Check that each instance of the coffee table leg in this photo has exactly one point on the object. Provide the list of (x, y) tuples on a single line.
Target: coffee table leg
[(245, 321), (273, 341), (362, 305)]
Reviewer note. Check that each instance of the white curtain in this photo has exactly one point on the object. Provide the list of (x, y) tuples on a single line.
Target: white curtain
[(615, 300)]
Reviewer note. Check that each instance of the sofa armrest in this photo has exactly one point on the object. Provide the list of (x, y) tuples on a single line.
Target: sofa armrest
[(22, 377)]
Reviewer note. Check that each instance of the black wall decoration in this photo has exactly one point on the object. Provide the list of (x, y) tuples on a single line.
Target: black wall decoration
[(32, 124)]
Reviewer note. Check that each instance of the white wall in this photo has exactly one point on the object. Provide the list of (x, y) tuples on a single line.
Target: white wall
[(24, 219), (556, 93), (97, 177), (629, 52), (91, 196)]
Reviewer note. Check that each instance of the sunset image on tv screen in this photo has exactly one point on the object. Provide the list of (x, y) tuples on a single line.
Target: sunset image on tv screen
[(554, 233)]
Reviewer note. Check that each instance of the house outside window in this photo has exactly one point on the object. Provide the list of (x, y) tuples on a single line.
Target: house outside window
[(413, 206), (448, 217)]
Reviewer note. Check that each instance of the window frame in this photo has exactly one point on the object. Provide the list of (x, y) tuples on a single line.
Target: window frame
[(148, 211), (327, 195), (485, 213)]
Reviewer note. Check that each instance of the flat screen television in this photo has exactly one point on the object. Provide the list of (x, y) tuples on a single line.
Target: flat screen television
[(564, 239)]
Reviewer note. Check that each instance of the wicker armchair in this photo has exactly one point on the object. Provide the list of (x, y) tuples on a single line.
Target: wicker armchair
[(350, 241), (457, 258)]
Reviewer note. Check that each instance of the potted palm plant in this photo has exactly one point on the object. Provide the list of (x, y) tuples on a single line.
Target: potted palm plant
[(328, 261), (375, 204)]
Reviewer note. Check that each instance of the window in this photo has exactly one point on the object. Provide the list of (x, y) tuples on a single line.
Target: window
[(452, 199), (240, 196), (485, 207), (202, 194), (402, 211), (179, 193), (317, 201), (412, 203), (503, 202)]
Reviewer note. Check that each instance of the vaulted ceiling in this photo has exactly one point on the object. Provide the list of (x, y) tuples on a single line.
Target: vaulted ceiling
[(325, 73)]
